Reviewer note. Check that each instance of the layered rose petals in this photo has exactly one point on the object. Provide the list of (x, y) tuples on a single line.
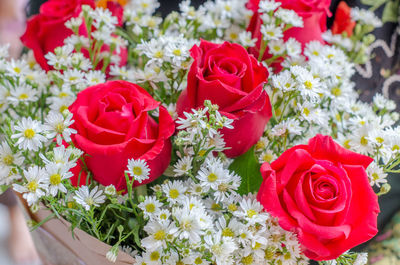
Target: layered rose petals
[(228, 76), (321, 191), (114, 125)]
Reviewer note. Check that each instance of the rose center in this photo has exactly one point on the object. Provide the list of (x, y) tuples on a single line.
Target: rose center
[(325, 190)]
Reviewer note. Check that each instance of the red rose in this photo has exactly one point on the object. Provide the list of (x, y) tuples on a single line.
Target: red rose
[(114, 125), (343, 21), (321, 191), (46, 31), (313, 12), (228, 76)]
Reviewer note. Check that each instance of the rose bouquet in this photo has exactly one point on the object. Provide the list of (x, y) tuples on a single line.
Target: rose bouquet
[(227, 134)]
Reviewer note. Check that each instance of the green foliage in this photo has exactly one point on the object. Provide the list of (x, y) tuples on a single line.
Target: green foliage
[(390, 13), (248, 168)]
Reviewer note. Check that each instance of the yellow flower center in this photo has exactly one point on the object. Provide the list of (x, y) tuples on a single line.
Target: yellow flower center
[(177, 52), (159, 235), (336, 91), (150, 208), (173, 193), (29, 133), (251, 213), (32, 186), (227, 232), (23, 96), (154, 256), (363, 141), (198, 260), (308, 84), (55, 179), (8, 159), (137, 171), (212, 177), (60, 127), (247, 260)]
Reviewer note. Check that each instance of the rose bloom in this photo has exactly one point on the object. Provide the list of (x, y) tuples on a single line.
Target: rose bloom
[(47, 31), (313, 12), (228, 76), (343, 21), (113, 125), (321, 191)]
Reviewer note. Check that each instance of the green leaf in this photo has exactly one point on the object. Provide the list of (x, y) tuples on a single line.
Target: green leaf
[(248, 168), (375, 4), (390, 12)]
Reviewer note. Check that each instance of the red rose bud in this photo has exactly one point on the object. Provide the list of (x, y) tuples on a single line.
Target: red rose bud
[(321, 191), (228, 76), (113, 125), (343, 21)]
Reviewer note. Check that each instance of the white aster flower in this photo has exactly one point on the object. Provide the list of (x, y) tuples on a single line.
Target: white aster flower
[(174, 190), (23, 93), (88, 198), (183, 166), (150, 206), (55, 174), (34, 188), (376, 175), (110, 190), (266, 6), (138, 169), (8, 157), (222, 248), (271, 32), (58, 127), (158, 234), (28, 134)]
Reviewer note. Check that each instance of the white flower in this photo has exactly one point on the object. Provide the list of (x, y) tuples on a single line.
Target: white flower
[(251, 210), (57, 126), (183, 166), (72, 76), (158, 232), (73, 23), (138, 169), (88, 198), (110, 190), (290, 17), (189, 224), (246, 40), (266, 6), (174, 190), (55, 174), (150, 206), (212, 175), (61, 56), (23, 93), (112, 254), (95, 77), (221, 247), (34, 188), (276, 47), (17, 67), (8, 157), (267, 156), (28, 134), (376, 175), (271, 32), (383, 103)]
